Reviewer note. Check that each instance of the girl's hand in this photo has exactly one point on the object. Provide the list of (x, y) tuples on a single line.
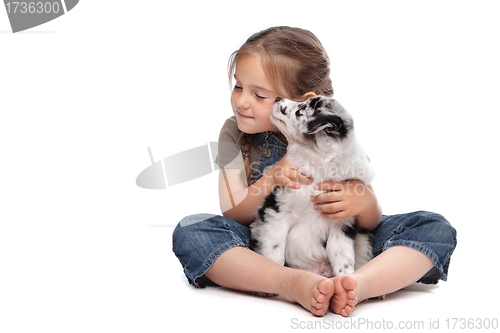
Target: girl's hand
[(284, 174), (344, 199)]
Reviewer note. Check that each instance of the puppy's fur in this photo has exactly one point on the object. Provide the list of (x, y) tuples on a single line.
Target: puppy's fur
[(288, 230)]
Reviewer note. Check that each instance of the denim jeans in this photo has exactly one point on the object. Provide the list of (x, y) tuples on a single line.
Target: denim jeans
[(198, 240)]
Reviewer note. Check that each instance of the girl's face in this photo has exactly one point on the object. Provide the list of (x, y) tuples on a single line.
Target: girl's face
[(252, 96)]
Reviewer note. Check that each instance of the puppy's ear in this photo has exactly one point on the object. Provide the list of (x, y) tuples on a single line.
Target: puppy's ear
[(330, 118), (331, 124)]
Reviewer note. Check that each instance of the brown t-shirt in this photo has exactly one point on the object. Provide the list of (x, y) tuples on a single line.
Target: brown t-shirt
[(230, 153)]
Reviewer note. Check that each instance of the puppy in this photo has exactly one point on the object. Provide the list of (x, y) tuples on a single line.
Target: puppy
[(288, 230)]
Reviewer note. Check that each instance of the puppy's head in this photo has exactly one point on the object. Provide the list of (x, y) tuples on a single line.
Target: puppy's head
[(317, 119)]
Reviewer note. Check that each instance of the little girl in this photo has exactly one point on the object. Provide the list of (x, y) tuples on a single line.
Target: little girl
[(214, 250)]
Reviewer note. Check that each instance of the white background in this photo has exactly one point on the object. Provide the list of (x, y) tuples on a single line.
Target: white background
[(82, 248)]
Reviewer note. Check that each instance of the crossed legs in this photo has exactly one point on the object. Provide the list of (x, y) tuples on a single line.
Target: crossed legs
[(242, 269)]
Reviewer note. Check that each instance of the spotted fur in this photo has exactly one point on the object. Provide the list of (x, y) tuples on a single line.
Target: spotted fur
[(288, 230)]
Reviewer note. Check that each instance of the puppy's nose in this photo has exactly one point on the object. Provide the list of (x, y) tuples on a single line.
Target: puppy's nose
[(278, 99)]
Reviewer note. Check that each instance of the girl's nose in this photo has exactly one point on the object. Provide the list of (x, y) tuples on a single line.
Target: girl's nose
[(242, 102)]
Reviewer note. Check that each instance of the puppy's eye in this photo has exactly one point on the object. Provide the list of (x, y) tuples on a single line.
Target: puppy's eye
[(302, 106)]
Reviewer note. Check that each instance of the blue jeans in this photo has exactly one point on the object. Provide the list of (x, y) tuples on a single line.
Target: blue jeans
[(198, 240)]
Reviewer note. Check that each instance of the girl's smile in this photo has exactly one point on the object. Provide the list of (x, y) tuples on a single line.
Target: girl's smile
[(253, 96), (243, 116)]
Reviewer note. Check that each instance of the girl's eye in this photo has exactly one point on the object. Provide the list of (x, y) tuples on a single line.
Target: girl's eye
[(259, 97), (237, 87)]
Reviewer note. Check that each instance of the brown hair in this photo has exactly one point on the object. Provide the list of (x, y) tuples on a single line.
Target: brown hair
[(295, 63)]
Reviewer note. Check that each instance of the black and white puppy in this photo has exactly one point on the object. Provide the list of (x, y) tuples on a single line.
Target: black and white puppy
[(288, 230)]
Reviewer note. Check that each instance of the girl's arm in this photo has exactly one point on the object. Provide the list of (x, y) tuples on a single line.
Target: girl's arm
[(241, 202), (370, 217), (238, 201), (346, 199)]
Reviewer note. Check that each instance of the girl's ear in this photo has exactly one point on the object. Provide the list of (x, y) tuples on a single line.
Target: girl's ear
[(307, 95)]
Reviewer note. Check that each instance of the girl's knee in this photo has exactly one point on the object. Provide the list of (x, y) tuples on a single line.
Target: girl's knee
[(434, 226), (200, 230), (441, 238), (438, 222), (198, 240), (426, 217), (187, 229)]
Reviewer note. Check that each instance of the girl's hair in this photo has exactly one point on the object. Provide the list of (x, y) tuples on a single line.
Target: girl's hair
[(294, 62)]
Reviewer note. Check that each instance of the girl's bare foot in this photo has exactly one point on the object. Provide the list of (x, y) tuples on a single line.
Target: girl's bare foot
[(311, 291), (345, 297)]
